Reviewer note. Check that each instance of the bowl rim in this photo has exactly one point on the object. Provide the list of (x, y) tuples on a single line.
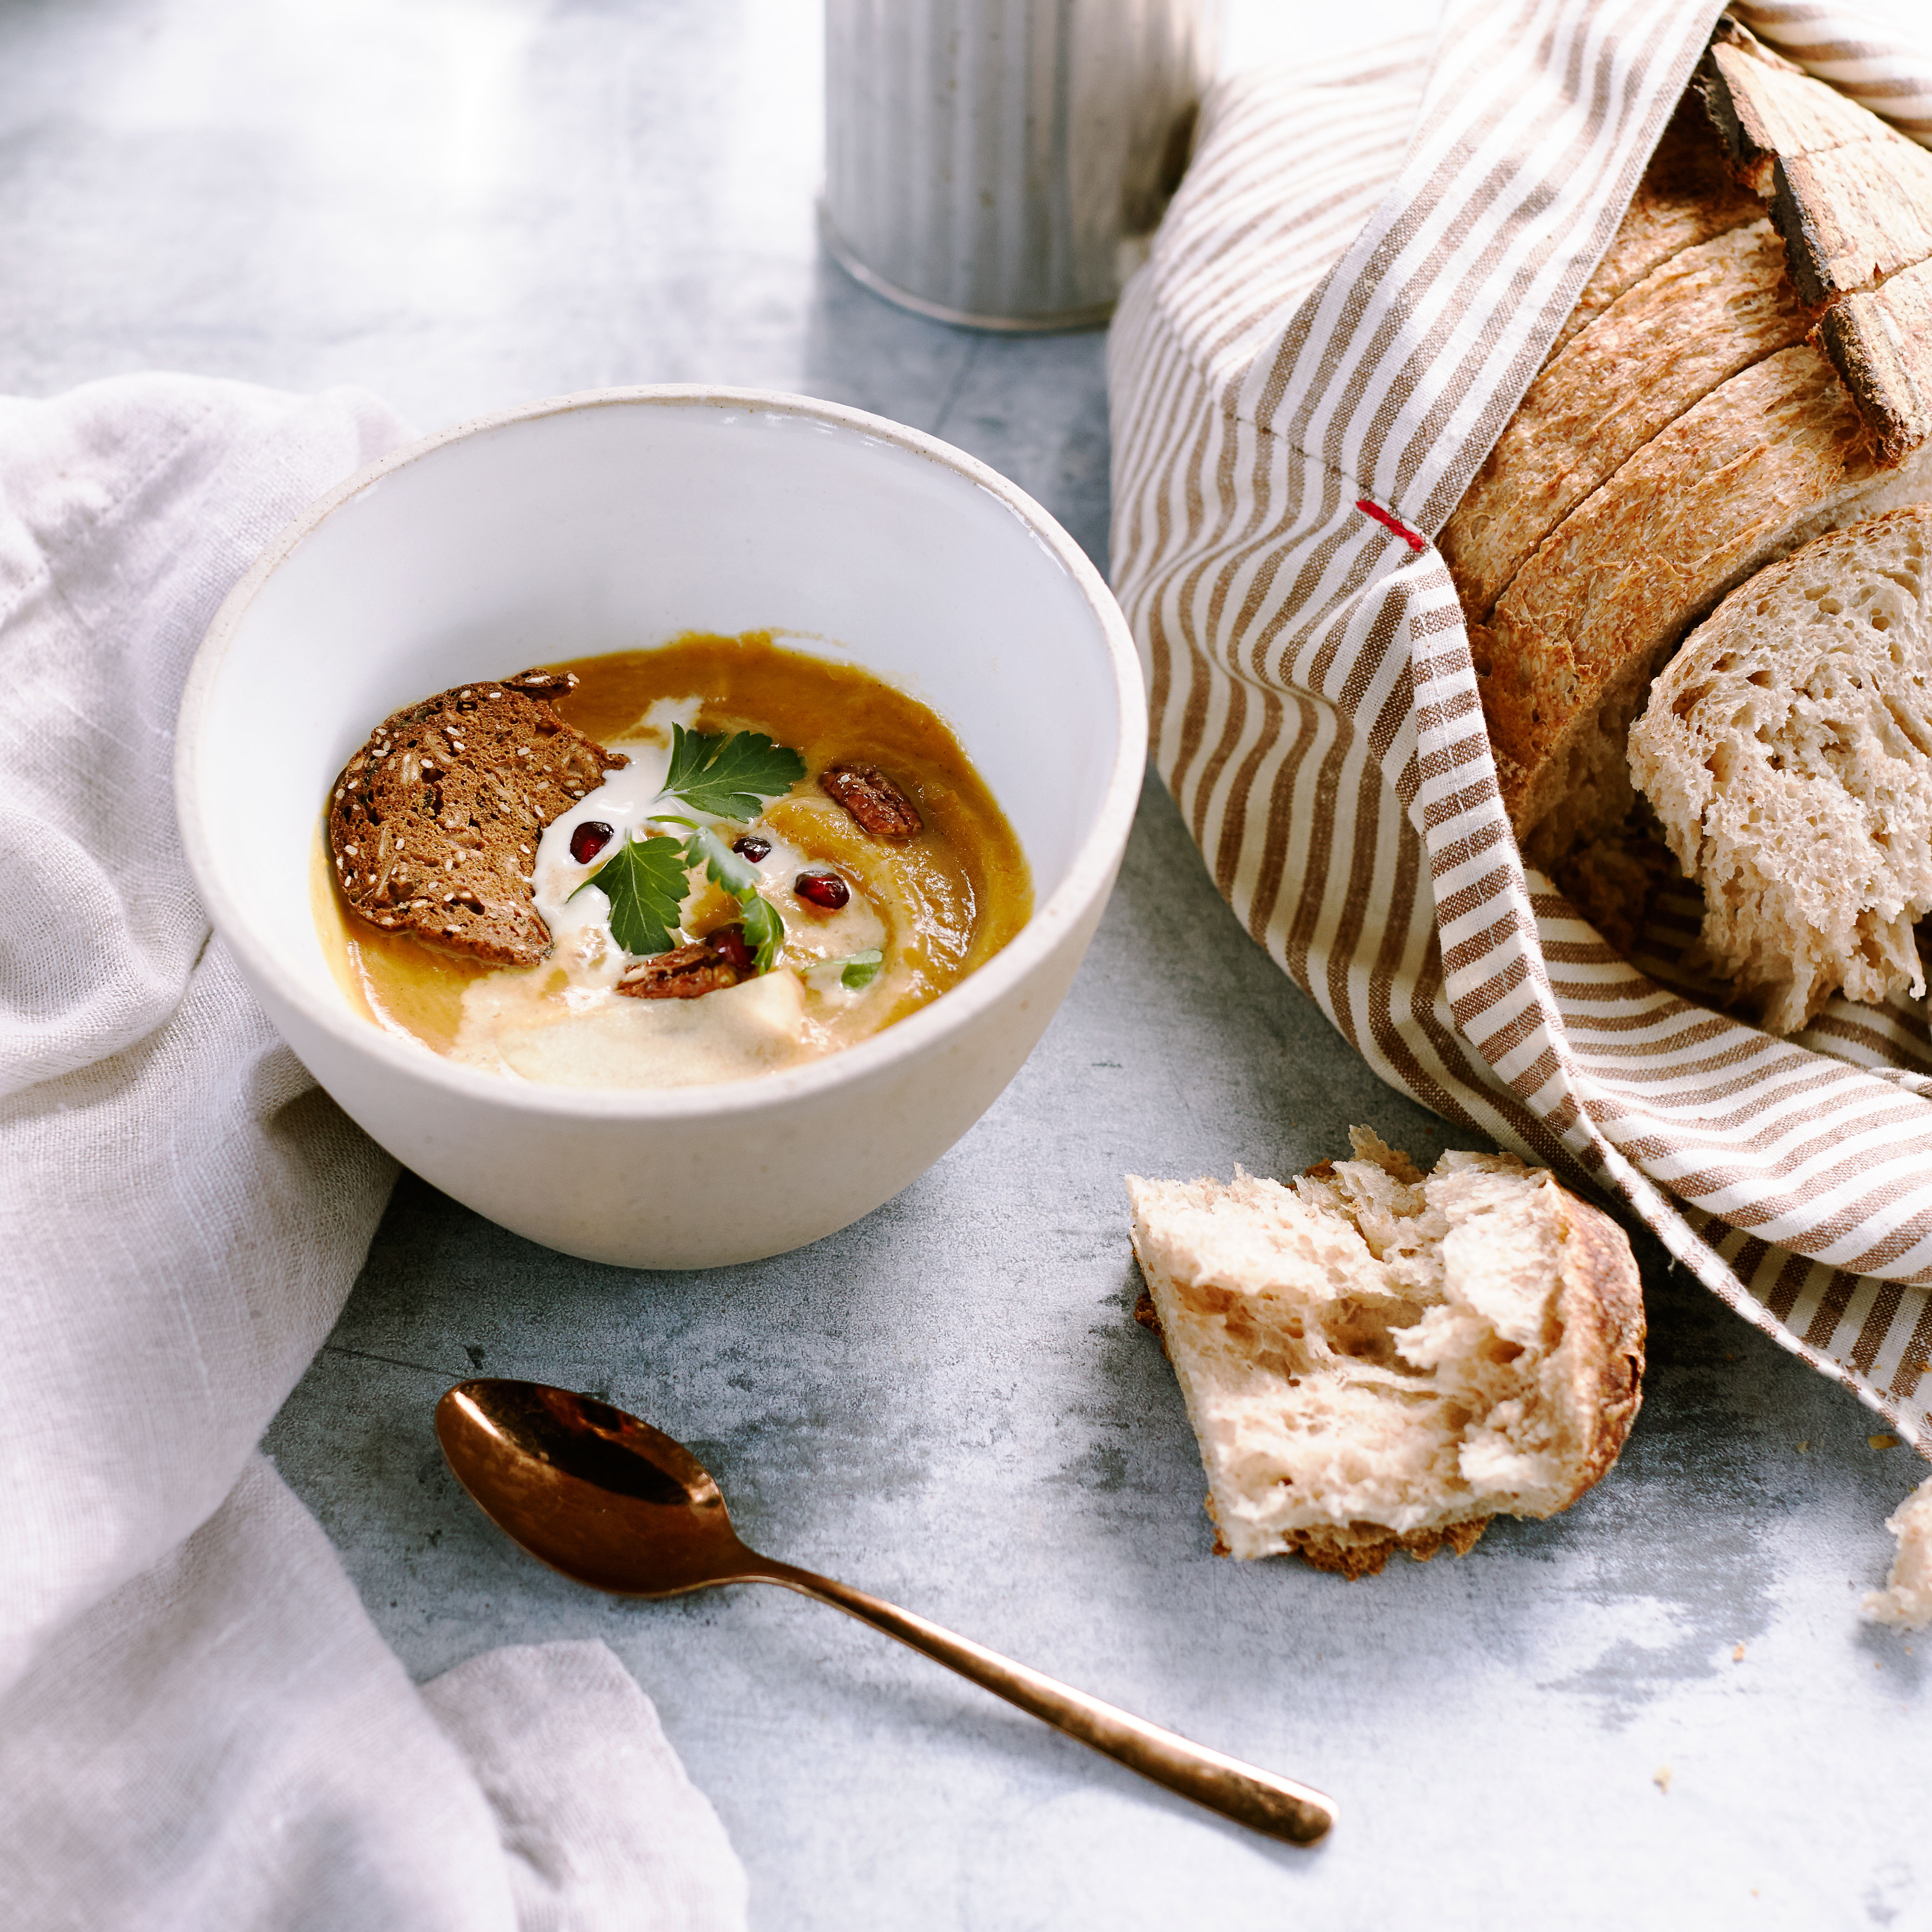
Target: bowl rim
[(1088, 877)]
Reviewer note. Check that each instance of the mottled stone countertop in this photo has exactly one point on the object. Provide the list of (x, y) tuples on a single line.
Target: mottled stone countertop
[(1660, 1709)]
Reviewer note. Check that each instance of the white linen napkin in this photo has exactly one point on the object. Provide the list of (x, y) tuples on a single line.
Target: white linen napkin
[(199, 1727)]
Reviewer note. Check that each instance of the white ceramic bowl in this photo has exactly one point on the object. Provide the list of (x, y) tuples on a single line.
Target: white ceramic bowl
[(615, 520)]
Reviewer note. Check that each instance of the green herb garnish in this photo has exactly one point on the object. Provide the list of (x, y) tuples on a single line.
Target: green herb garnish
[(725, 868), (644, 880), (764, 930), (730, 778), (859, 972)]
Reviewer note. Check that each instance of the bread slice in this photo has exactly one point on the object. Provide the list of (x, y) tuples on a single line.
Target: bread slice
[(1374, 1361), (1687, 195), (1787, 749), (1852, 198), (433, 824), (1880, 343), (1707, 312), (1769, 459), (1906, 1599)]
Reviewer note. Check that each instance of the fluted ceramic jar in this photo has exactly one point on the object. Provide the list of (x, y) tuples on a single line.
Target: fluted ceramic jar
[(1001, 164)]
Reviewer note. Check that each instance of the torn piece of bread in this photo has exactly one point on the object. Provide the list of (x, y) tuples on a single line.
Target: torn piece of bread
[(1374, 1360), (1906, 1599), (1787, 749)]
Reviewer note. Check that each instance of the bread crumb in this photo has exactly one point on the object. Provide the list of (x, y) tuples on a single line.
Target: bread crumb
[(1884, 1439), (1661, 1779), (1906, 1600), (1804, 1448), (1737, 1654)]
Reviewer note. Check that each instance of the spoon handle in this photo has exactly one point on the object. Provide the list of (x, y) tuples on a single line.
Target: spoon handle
[(1277, 1806)]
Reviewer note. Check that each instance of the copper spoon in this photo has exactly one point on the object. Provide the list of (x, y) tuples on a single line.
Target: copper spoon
[(610, 1501)]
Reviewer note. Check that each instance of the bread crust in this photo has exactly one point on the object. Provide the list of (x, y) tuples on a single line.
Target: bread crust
[(1686, 197), (1757, 465), (1878, 342), (1339, 1553), (432, 825), (1851, 197), (1602, 1310), (1764, 106), (1710, 310)]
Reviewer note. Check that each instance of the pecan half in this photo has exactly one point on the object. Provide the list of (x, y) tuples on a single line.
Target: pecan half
[(872, 799), (711, 965)]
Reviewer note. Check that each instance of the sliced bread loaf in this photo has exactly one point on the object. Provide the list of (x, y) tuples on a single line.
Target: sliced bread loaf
[(1787, 749), (1768, 460), (1701, 316), (1372, 1361), (1689, 431)]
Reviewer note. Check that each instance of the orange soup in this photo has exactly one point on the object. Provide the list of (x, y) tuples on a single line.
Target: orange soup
[(795, 855)]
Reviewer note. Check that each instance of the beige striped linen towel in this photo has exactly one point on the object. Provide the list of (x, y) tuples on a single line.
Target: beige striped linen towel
[(1365, 266), (1859, 56)]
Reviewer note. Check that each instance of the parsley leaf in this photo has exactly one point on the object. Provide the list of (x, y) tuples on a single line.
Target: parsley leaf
[(644, 880), (860, 971), (730, 778), (764, 930), (737, 874)]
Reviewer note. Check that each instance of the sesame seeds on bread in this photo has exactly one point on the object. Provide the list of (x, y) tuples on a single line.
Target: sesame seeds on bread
[(433, 824), (1373, 1360)]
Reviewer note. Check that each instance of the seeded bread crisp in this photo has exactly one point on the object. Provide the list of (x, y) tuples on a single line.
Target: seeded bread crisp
[(433, 825), (1374, 1360)]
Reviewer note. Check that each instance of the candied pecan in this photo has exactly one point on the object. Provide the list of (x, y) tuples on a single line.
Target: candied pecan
[(872, 799), (707, 965)]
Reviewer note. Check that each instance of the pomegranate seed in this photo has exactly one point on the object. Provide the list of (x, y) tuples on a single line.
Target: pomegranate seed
[(728, 943), (826, 889), (753, 847), (588, 840)]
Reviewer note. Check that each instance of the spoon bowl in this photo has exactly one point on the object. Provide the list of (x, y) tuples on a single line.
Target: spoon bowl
[(612, 1502), (595, 1493)]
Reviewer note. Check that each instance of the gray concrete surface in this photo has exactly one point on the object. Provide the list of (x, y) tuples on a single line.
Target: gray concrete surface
[(465, 204)]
